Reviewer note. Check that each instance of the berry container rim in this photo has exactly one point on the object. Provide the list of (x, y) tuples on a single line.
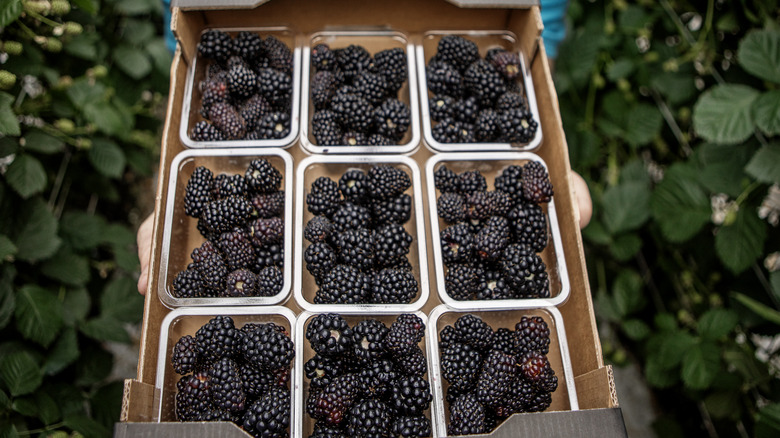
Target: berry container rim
[(162, 287), (528, 88), (419, 223), (163, 367), (301, 343), (189, 87), (434, 353), (555, 234), (406, 148)]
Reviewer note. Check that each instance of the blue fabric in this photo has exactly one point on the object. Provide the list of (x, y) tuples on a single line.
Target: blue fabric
[(553, 14), (170, 41)]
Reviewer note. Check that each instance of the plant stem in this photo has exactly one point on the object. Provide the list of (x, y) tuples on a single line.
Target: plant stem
[(742, 196), (45, 429), (765, 283), (43, 19)]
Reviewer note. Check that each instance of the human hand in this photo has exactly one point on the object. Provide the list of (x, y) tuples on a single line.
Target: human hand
[(582, 198), (144, 241)]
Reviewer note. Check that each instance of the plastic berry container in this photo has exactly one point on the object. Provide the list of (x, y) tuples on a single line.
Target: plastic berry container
[(373, 41), (485, 40), (491, 165), (186, 321), (334, 166), (192, 94), (304, 423), (564, 398), (181, 235)]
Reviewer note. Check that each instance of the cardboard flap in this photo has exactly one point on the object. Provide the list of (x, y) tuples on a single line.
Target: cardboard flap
[(596, 423), (179, 430), (138, 402), (596, 389)]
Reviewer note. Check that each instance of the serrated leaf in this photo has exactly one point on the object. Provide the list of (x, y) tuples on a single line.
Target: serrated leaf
[(43, 143), (67, 267), (84, 46), (26, 175), (765, 164), (766, 110), (605, 307), (64, 352), (636, 329), (48, 409), (576, 57), (721, 168), (633, 17), (621, 68), (7, 296), (700, 365), (625, 246), (759, 54), (126, 258), (118, 235), (88, 6), (132, 61), (665, 322), (121, 300), (38, 237), (94, 365), (75, 306), (20, 373), (758, 308), (768, 421), (86, 426), (7, 248), (82, 230), (724, 114), (716, 323), (38, 314), (105, 329), (627, 291), (679, 205), (596, 233), (10, 11), (161, 56), (83, 92), (5, 402), (107, 158), (721, 404), (676, 87), (634, 171), (106, 403), (105, 117), (9, 125), (657, 375), (673, 348), (738, 245), (25, 406), (625, 207), (135, 7), (643, 124)]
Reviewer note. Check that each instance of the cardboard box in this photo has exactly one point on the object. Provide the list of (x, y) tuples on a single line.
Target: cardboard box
[(593, 380)]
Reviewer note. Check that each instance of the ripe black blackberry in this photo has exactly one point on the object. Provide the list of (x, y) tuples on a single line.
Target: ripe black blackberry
[(264, 232), (268, 349), (392, 64), (492, 239), (321, 370), (525, 271), (353, 60), (320, 259), (457, 243), (356, 247), (213, 91), (369, 418), (536, 183), (322, 58), (451, 207), (517, 126), (257, 382), (208, 261), (323, 88), (453, 131), (411, 427), (229, 185), (441, 107), (333, 402), (445, 179), (501, 202), (274, 125), (227, 391), (487, 126), (378, 376), (508, 64), (353, 138), (391, 242), (344, 284), (479, 205), (387, 181), (467, 416), (461, 281), (457, 51), (329, 335), (510, 181), (241, 80), (278, 54), (188, 284), (540, 402), (269, 255), (325, 128), (184, 357), (227, 120), (471, 181), (206, 131), (466, 109), (484, 82), (223, 215), (373, 87), (412, 364), (504, 341), (368, 339), (493, 286), (253, 110), (473, 331), (324, 197), (323, 430), (269, 281), (218, 338), (380, 140), (215, 44), (351, 216), (248, 45), (318, 229), (393, 286), (495, 380), (444, 79), (447, 337), (396, 210), (532, 334), (193, 397), (411, 395), (240, 283), (392, 119), (275, 86), (262, 176), (269, 416), (509, 101), (404, 335), (535, 367), (529, 225), (236, 248), (354, 112)]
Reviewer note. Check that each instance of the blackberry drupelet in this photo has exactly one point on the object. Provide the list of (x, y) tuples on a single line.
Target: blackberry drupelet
[(206, 131), (269, 416), (270, 255), (517, 126), (227, 391), (492, 239), (457, 243), (325, 128), (404, 335), (323, 88), (321, 370), (444, 79), (396, 210), (218, 338), (371, 86), (320, 259), (368, 339), (394, 286), (392, 65), (467, 416), (447, 337), (354, 138), (504, 341), (475, 332), (241, 80), (387, 181), (369, 418), (540, 402), (212, 268), (510, 181), (267, 349), (184, 357), (264, 232), (525, 271), (322, 58), (510, 101), (532, 334), (274, 125), (392, 119), (353, 60), (356, 247), (224, 214), (193, 397), (466, 109), (457, 51), (493, 286), (487, 126), (329, 335), (229, 185), (495, 379), (351, 217), (257, 382), (412, 364), (227, 120), (275, 86), (354, 112), (278, 54), (451, 207), (248, 45), (411, 395), (441, 107), (484, 82), (392, 243), (446, 180), (269, 281), (188, 284), (529, 225), (471, 181), (253, 110), (215, 44), (344, 284), (324, 196), (536, 183), (240, 283), (380, 140), (501, 202), (318, 229), (333, 402), (237, 249), (411, 427)]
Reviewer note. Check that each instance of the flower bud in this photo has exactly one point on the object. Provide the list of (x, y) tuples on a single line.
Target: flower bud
[(7, 79)]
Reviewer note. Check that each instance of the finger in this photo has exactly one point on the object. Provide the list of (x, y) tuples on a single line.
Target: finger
[(144, 242), (582, 197)]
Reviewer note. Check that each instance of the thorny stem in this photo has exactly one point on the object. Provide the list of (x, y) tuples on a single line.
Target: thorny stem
[(42, 19)]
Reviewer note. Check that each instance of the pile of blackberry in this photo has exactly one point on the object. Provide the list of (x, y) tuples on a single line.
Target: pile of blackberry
[(475, 99), (235, 374), (494, 374), (358, 245), (367, 380), (247, 90), (491, 243), (242, 219), (355, 96)]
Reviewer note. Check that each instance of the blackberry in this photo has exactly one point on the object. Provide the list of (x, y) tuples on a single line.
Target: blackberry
[(450, 130), (525, 271), (270, 255), (242, 81), (471, 181), (501, 203), (325, 128), (487, 126), (223, 215), (466, 109), (510, 181), (387, 181), (240, 283), (492, 239), (441, 107), (368, 338), (263, 177), (540, 402), (474, 331), (451, 207), (536, 183), (356, 247), (206, 131), (269, 281), (392, 119), (229, 185), (253, 110), (322, 58), (504, 341), (508, 64), (411, 395), (392, 65), (318, 229), (532, 334), (369, 418), (492, 52), (215, 71), (510, 101), (517, 126), (275, 86), (218, 338), (493, 286), (321, 370), (404, 335), (227, 391), (353, 60), (447, 337), (392, 242), (215, 44), (484, 82), (529, 225), (354, 112), (479, 205), (354, 138), (535, 368), (320, 259), (257, 382), (380, 140), (213, 91), (323, 430), (457, 51), (397, 210), (344, 284), (495, 380), (236, 248), (212, 268), (332, 404), (371, 86), (264, 232), (394, 286), (268, 349), (193, 396), (457, 243), (278, 54), (444, 79), (227, 120), (324, 196), (329, 335), (401, 263), (351, 217), (184, 357), (274, 125), (412, 364), (188, 284), (269, 416), (411, 427), (379, 377), (248, 45), (467, 416), (446, 180), (323, 88)]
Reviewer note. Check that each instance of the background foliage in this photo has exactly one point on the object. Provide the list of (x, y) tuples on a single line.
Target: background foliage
[(672, 113), (82, 84)]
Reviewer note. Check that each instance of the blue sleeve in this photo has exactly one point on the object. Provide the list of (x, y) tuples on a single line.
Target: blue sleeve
[(170, 41), (553, 14)]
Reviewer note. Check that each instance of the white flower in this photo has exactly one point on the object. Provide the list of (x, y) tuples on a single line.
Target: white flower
[(770, 207), (772, 262), (722, 208)]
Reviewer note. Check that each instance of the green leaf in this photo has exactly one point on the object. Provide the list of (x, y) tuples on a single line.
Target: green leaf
[(86, 426), (83, 92), (64, 352), (105, 328), (67, 267), (636, 329), (721, 404), (84, 46), (738, 245), (717, 323), (7, 296), (774, 279), (644, 124), (136, 7), (768, 421), (121, 300), (94, 365), (673, 348), (38, 314), (721, 168), (658, 375), (679, 204), (605, 307), (48, 409), (43, 143), (596, 233), (724, 114), (625, 207), (88, 6), (633, 18), (161, 56), (107, 157), (26, 175), (106, 403), (5, 402), (759, 54), (766, 110), (700, 365), (627, 291), (20, 373), (105, 117), (765, 164), (758, 308), (38, 237), (619, 69), (577, 56), (9, 125), (7, 248), (82, 230), (138, 32), (118, 235), (75, 307), (10, 11), (677, 87), (132, 61), (625, 246), (8, 430), (25, 406)]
